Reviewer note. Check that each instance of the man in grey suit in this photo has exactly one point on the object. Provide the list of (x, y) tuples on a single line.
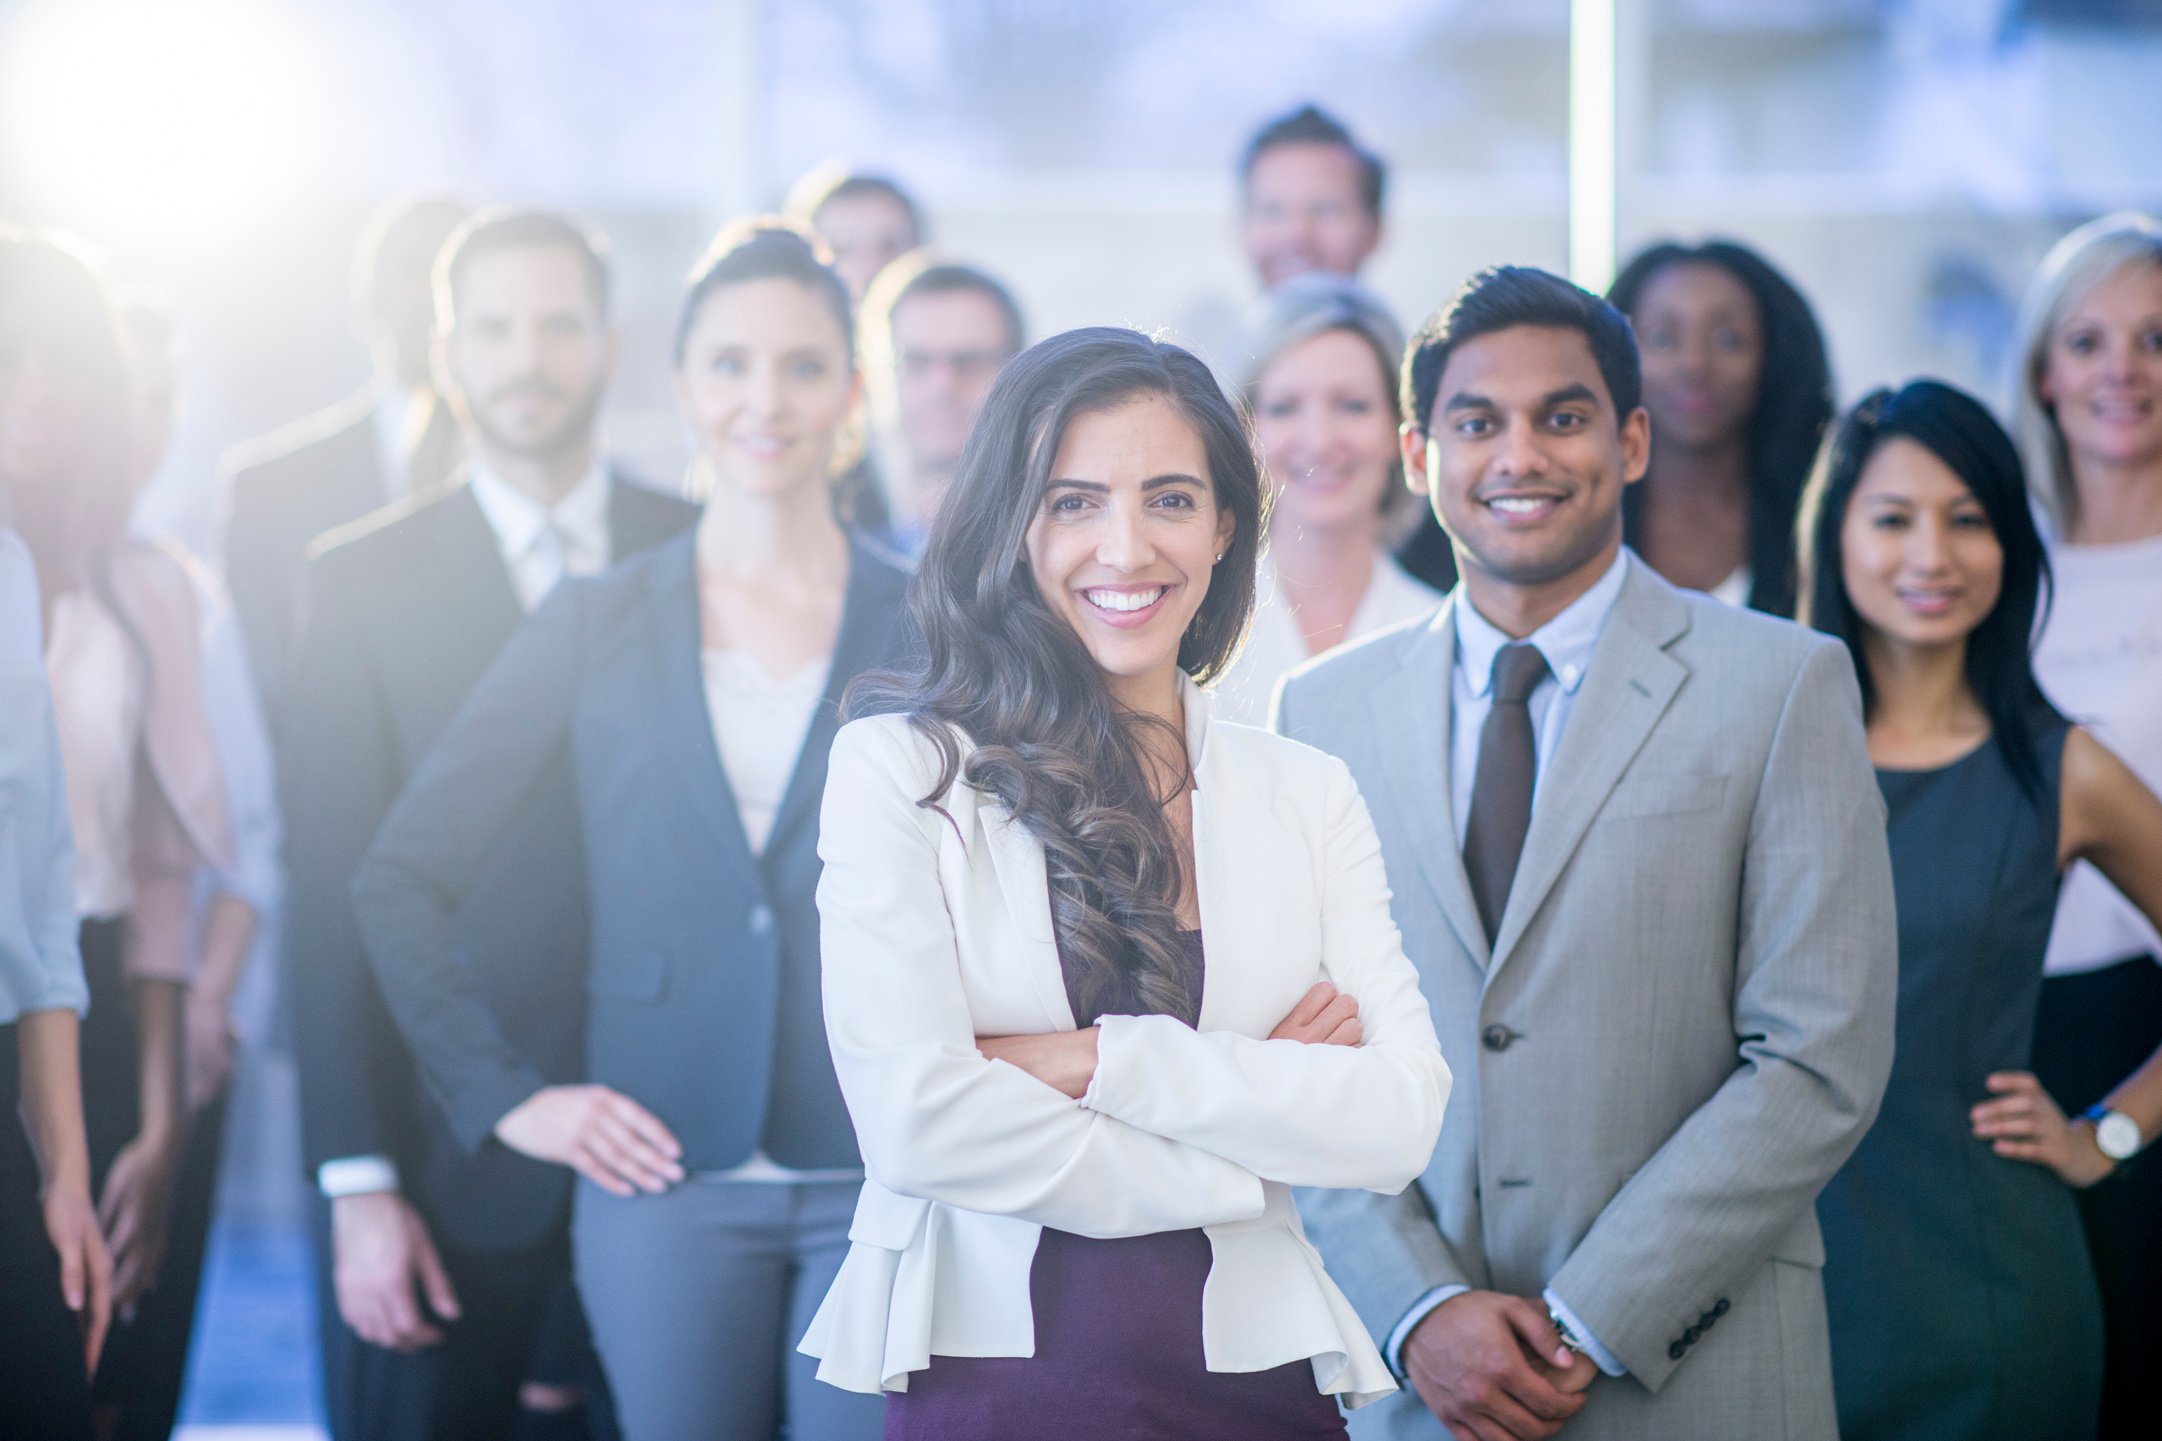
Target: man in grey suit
[(1639, 858)]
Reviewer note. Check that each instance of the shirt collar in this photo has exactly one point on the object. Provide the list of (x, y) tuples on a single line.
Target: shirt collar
[(1566, 641), (517, 519)]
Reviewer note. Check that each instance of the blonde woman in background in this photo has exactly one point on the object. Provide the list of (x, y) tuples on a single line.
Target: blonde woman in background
[(2089, 420), (1321, 383)]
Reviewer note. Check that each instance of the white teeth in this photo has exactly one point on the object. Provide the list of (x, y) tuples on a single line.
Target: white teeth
[(1124, 599), (1517, 504)]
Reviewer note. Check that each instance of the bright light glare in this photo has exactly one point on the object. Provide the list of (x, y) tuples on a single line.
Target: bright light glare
[(1592, 150), (150, 116)]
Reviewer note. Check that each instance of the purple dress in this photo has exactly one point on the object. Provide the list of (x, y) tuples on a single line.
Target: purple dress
[(1118, 1343)]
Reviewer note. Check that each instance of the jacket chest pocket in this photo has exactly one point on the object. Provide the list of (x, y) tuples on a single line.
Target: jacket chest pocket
[(1668, 795)]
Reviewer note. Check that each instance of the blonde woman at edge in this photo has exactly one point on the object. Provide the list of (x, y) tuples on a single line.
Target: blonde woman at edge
[(1321, 384), (2089, 424)]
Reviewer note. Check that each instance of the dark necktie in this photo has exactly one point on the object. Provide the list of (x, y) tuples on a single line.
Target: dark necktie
[(1501, 791)]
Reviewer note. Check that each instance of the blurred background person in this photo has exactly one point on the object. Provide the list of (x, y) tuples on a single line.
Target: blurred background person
[(694, 694), (868, 221), (1310, 198), (444, 1271), (933, 335), (1740, 391), (145, 790), (1962, 1301), (230, 905), (395, 436), (2089, 421), (1320, 383), (55, 1275)]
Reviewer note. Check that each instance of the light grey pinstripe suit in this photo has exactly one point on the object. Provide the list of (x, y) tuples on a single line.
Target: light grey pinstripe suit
[(1682, 1029)]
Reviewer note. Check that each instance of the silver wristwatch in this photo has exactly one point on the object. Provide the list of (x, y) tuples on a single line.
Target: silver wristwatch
[(2116, 1135)]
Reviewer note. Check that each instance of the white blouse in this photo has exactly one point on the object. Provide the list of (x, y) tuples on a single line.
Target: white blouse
[(759, 722), (2100, 661), (98, 698), (1275, 645)]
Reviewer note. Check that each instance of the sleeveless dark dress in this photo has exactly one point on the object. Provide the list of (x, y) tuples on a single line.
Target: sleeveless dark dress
[(1118, 1343), (1962, 1302)]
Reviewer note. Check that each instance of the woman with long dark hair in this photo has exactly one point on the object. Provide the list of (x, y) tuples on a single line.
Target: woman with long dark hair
[(1080, 1128), (1962, 1302), (145, 788), (1740, 390), (2088, 410), (692, 694)]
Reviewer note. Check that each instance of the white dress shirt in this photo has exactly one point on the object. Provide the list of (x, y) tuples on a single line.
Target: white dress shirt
[(1567, 641), (542, 544), (1276, 645)]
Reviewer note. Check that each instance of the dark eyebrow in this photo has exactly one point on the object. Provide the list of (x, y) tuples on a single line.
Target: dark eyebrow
[(1465, 400), (1175, 478), (1569, 394)]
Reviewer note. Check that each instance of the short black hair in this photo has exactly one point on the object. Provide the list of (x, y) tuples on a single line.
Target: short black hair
[(1503, 297), (922, 274), (490, 232), (1311, 125), (1959, 430), (764, 247)]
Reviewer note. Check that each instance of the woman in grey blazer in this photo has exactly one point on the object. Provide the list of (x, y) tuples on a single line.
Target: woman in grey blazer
[(694, 695)]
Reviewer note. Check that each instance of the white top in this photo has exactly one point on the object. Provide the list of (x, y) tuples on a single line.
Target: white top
[(2100, 660), (542, 544), (98, 700), (759, 721), (1275, 646), (936, 929), (390, 415), (1734, 590)]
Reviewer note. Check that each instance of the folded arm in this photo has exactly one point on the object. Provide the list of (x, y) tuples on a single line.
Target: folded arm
[(935, 1118), (1342, 1116)]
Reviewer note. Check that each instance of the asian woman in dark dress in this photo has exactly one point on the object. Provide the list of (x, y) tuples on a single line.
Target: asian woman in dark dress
[(1962, 1302), (1104, 978)]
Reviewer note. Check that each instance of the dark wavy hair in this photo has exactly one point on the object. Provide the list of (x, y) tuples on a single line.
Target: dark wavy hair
[(1960, 431), (1002, 672), (1793, 406)]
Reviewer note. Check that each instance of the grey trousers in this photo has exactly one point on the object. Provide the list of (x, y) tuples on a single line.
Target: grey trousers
[(697, 1298)]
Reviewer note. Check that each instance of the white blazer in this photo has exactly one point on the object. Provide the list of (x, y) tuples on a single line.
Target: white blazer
[(938, 930)]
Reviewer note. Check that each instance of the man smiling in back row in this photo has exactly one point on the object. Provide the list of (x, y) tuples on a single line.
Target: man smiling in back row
[(1638, 856)]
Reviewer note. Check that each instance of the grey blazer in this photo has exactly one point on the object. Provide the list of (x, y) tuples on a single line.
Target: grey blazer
[(1684, 1024)]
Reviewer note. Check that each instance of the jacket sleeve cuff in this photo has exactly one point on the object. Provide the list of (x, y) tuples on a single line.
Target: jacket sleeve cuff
[(1392, 1349), (1601, 1357)]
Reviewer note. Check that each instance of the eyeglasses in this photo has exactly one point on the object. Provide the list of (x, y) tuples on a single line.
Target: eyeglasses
[(965, 364)]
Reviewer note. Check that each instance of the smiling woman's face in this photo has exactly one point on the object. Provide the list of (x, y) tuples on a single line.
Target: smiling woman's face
[(1125, 538)]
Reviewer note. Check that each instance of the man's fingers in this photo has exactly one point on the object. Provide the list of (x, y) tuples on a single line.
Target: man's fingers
[(435, 1281), (1535, 1329), (586, 1164), (2019, 1150)]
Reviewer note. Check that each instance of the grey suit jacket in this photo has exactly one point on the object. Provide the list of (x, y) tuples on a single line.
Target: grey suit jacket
[(1684, 1024)]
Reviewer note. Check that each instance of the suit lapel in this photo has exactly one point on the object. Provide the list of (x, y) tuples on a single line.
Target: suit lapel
[(869, 613), (676, 657), (479, 584), (1412, 721), (1627, 687), (639, 519)]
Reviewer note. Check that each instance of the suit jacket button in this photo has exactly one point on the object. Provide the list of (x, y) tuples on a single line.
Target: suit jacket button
[(761, 920), (1674, 1352), (1720, 1309), (1497, 1037)]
